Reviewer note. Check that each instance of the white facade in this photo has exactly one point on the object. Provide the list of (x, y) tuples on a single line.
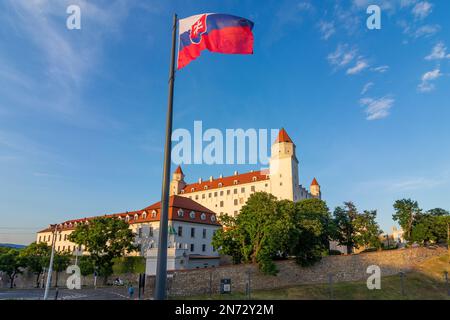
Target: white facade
[(227, 195)]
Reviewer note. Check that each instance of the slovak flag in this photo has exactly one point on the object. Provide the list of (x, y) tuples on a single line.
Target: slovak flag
[(215, 32)]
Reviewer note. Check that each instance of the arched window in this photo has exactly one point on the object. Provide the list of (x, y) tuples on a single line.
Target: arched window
[(206, 187), (235, 182), (203, 216), (180, 212), (220, 184), (144, 215), (127, 218), (213, 218), (136, 216), (192, 215), (192, 189), (254, 178), (154, 214)]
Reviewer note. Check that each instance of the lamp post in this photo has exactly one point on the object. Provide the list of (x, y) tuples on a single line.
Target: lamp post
[(50, 267)]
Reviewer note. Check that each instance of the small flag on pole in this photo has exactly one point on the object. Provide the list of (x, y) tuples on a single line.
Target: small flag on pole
[(220, 33)]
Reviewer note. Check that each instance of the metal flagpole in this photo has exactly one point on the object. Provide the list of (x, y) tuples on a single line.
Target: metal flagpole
[(161, 266)]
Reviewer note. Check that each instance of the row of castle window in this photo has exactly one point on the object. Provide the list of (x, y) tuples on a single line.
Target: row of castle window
[(221, 193)]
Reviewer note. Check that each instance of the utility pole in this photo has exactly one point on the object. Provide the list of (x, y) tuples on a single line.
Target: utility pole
[(50, 267)]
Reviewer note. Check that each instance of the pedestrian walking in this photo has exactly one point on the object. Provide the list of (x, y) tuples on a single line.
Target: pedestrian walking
[(131, 291)]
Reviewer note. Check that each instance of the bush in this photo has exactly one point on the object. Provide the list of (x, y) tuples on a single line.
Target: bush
[(129, 265)]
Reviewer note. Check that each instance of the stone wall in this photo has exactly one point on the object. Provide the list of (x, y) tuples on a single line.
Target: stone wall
[(343, 268), (205, 281)]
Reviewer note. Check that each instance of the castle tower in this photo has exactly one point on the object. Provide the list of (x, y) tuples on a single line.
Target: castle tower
[(284, 168), (314, 189), (177, 183)]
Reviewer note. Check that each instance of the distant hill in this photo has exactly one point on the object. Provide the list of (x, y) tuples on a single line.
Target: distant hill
[(11, 245)]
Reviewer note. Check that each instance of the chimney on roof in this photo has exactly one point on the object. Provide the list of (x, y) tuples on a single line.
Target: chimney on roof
[(199, 180), (251, 171), (235, 173), (220, 176), (211, 179)]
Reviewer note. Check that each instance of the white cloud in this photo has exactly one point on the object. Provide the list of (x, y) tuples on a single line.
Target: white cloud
[(426, 31), (439, 52), (342, 56), (305, 6), (358, 68), (377, 108), (427, 84), (422, 10), (367, 87), (380, 69), (327, 29)]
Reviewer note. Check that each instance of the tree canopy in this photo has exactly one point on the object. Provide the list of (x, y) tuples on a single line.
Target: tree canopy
[(105, 239)]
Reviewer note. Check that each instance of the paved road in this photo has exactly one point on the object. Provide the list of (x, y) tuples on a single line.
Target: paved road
[(66, 294)]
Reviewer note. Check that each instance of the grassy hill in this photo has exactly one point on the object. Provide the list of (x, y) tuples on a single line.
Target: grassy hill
[(426, 283)]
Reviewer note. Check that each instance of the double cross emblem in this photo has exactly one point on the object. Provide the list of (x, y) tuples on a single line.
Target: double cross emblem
[(197, 29)]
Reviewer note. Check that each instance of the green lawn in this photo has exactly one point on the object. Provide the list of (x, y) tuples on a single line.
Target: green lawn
[(426, 284)]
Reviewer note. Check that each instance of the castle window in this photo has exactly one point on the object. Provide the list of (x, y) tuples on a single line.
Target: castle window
[(253, 188), (127, 218), (215, 194), (192, 189), (60, 236), (203, 216), (196, 197), (203, 196), (204, 234), (228, 192), (206, 187), (150, 231), (209, 195), (144, 215), (153, 214), (242, 190), (220, 185), (203, 247), (235, 202), (180, 231), (221, 204), (235, 191), (182, 191), (254, 178), (213, 218), (235, 182), (65, 238), (192, 232), (192, 215), (221, 193), (180, 212), (281, 183), (192, 247), (136, 216)]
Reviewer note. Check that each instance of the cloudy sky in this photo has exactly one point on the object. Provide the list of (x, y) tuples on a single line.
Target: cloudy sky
[(82, 111)]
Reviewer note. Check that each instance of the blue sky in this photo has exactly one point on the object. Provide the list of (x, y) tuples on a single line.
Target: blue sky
[(82, 112)]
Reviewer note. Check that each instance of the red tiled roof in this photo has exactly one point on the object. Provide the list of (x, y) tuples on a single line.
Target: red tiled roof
[(175, 203), (314, 182), (178, 170), (226, 181), (283, 137)]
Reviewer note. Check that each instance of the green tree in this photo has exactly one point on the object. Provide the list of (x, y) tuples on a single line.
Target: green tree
[(11, 263), (105, 239), (343, 220), (228, 239), (431, 227), (86, 265), (259, 234), (36, 257), (406, 214), (310, 239), (60, 263), (367, 230)]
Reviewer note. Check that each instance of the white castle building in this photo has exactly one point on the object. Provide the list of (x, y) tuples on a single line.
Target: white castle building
[(193, 208), (227, 195)]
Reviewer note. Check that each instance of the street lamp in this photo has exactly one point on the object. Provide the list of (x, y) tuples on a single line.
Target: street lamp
[(50, 267)]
